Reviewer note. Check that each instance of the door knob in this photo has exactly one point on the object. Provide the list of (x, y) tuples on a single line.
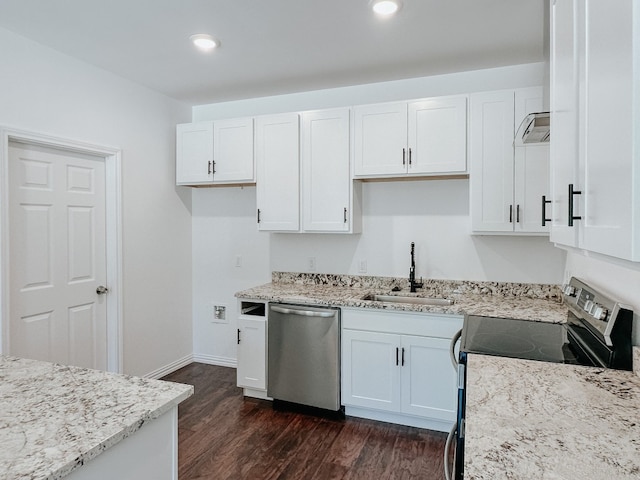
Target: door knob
[(101, 290)]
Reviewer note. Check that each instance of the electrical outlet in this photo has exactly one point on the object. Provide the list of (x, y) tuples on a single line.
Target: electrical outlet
[(311, 264), (362, 266), (238, 260)]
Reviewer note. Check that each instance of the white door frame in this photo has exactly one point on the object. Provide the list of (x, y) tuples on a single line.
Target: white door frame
[(113, 211)]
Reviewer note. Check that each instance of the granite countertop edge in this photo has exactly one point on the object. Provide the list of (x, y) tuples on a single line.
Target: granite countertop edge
[(519, 413), (118, 437), (56, 418), (537, 302)]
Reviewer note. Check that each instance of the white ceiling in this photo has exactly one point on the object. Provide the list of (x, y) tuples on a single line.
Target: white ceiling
[(271, 47)]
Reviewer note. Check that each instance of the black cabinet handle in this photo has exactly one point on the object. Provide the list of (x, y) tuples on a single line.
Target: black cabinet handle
[(404, 156), (258, 215), (213, 167), (544, 210), (510, 213), (345, 214), (209, 168), (238, 336), (571, 216), (409, 156), (518, 213), (396, 356), (403, 356)]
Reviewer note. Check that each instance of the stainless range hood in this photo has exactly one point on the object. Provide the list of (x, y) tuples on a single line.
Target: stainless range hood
[(533, 129)]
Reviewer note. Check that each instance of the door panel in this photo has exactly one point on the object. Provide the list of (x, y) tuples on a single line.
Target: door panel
[(233, 150), (326, 177), (58, 256), (437, 132), (278, 168), (371, 377), (564, 119), (429, 384), (194, 153), (491, 153), (252, 353), (380, 133)]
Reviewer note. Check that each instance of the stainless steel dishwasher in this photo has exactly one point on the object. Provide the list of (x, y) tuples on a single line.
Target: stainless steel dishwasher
[(304, 355)]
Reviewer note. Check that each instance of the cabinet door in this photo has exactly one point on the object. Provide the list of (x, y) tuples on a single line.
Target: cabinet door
[(564, 119), (326, 178), (370, 370), (194, 153), (252, 353), (531, 168), (491, 159), (531, 183), (277, 158), (380, 145), (437, 136), (611, 129), (233, 150), (429, 380)]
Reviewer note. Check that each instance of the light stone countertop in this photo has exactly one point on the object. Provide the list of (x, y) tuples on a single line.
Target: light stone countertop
[(536, 420), (54, 418), (511, 300)]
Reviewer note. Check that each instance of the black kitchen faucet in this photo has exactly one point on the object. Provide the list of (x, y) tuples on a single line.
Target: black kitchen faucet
[(412, 271)]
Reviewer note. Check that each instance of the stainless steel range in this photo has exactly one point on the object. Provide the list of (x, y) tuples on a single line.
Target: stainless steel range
[(597, 333)]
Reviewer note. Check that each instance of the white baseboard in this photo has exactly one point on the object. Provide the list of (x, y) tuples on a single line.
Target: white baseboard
[(215, 360), (172, 367), (400, 419)]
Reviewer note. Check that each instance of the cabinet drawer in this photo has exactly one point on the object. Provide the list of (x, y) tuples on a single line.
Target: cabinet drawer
[(405, 323)]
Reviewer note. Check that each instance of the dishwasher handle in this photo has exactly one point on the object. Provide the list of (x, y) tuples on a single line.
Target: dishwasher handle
[(302, 313)]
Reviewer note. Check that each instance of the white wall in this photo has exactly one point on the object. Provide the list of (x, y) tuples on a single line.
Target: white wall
[(432, 213), (45, 92), (435, 215), (618, 278)]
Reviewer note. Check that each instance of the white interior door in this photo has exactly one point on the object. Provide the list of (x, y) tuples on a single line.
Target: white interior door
[(57, 256)]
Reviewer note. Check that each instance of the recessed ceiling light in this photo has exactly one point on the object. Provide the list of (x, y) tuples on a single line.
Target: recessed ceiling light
[(386, 7), (204, 41)]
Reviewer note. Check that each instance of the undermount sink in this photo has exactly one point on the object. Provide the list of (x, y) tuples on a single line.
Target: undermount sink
[(405, 299)]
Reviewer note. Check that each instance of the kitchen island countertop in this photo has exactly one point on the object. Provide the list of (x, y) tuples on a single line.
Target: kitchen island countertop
[(510, 300), (528, 419), (55, 418)]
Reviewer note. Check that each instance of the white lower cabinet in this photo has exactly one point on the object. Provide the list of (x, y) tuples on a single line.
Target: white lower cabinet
[(252, 348), (396, 367), (370, 376), (429, 381)]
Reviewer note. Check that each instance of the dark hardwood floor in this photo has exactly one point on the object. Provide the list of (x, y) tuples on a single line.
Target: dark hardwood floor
[(223, 435)]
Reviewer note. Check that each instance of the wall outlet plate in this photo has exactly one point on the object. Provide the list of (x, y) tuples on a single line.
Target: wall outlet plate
[(362, 266)]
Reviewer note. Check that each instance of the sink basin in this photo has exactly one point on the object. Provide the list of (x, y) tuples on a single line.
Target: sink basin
[(405, 299)]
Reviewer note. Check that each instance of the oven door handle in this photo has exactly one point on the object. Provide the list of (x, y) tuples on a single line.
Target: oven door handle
[(449, 472), (452, 348)]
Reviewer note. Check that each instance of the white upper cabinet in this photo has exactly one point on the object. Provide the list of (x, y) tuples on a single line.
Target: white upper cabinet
[(233, 151), (595, 100), (425, 137), (437, 132), (278, 167), (507, 182), (380, 146), (194, 153), (209, 153), (326, 175)]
